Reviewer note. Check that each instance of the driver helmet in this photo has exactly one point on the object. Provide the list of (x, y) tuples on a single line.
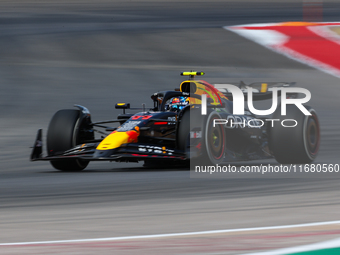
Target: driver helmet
[(178, 103)]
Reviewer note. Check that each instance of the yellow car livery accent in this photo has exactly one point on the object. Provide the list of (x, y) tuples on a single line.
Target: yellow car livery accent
[(191, 73), (264, 87), (116, 139), (202, 87), (211, 96)]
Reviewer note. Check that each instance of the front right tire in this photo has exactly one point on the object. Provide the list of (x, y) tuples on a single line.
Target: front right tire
[(212, 143), (214, 140)]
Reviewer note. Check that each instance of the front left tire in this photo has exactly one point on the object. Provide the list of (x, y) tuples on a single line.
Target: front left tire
[(63, 134)]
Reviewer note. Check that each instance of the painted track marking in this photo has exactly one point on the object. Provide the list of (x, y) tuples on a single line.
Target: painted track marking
[(314, 44), (175, 234), (335, 243)]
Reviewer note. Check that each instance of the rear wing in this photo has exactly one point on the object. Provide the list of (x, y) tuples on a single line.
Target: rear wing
[(261, 90)]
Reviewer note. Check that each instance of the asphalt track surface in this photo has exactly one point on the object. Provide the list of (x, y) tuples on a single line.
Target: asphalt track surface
[(56, 54)]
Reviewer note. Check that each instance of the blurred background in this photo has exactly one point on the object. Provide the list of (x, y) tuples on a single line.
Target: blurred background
[(54, 54)]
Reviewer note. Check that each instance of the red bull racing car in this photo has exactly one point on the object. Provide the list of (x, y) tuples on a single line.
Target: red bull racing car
[(175, 130)]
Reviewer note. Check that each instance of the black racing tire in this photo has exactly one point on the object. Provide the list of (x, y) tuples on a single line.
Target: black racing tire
[(189, 118), (62, 135), (183, 132), (214, 140), (295, 145)]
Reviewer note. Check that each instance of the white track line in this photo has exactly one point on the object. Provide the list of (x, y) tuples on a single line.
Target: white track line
[(335, 243), (175, 234)]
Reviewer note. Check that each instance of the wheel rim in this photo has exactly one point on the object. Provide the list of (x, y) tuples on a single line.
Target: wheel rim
[(216, 141)]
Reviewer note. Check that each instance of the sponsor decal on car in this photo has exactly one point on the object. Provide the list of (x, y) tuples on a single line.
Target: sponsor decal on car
[(155, 149)]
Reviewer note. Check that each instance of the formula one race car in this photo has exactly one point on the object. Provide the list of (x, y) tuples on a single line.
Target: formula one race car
[(195, 122)]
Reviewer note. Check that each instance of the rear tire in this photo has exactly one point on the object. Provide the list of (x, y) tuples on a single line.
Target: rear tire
[(62, 135), (295, 145)]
